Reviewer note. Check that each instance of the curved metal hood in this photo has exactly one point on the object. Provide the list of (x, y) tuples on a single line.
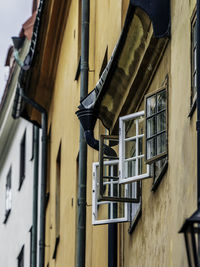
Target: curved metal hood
[(133, 60)]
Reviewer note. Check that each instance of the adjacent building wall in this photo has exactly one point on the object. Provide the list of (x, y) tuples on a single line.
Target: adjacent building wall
[(15, 232)]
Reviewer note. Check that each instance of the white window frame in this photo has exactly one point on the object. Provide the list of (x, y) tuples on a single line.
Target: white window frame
[(96, 202), (122, 140), (131, 210)]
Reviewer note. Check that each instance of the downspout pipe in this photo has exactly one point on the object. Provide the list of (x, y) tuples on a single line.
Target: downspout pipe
[(43, 174), (82, 172), (35, 197), (88, 118)]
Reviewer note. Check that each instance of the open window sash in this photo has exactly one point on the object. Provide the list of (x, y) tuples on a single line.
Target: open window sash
[(132, 166), (104, 212), (109, 188)]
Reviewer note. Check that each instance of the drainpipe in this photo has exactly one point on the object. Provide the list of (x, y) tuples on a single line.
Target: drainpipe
[(43, 173), (88, 120), (82, 174), (35, 196)]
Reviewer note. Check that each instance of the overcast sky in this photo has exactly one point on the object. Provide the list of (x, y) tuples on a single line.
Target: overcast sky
[(13, 13)]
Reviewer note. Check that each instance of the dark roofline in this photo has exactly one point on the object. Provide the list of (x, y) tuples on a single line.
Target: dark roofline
[(17, 106)]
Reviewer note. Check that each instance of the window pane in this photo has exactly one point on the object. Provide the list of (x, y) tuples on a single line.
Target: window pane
[(151, 127), (161, 143), (141, 125), (194, 34), (130, 149), (151, 105), (151, 148), (130, 128), (194, 83), (194, 59), (158, 166), (142, 167), (140, 146), (161, 122), (110, 210), (130, 167), (161, 100)]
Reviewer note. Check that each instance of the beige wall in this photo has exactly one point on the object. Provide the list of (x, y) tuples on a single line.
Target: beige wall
[(65, 129), (155, 242)]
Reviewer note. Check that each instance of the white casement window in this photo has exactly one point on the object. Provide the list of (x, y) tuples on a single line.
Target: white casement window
[(113, 211), (156, 125), (121, 192), (132, 165), (8, 195)]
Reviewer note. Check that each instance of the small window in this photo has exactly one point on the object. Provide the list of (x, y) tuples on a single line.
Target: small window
[(20, 258), (112, 211), (194, 61), (156, 125), (57, 202), (8, 200), (109, 172), (58, 170), (31, 245), (22, 160), (132, 166), (135, 208)]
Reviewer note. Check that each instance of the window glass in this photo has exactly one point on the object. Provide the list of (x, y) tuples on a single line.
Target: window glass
[(21, 258), (161, 122), (161, 100), (22, 160), (151, 126), (132, 166), (194, 61), (156, 126), (151, 106)]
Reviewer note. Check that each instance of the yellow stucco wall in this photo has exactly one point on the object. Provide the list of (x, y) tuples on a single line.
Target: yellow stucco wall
[(154, 242), (65, 130)]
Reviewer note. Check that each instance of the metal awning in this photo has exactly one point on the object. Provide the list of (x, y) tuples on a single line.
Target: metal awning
[(144, 36)]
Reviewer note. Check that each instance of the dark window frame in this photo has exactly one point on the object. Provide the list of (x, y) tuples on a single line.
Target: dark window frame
[(8, 185), (163, 154), (57, 201), (135, 218), (31, 244), (157, 178), (20, 258), (22, 167), (193, 58)]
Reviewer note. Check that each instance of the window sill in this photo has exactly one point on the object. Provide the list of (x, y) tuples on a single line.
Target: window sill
[(192, 109), (159, 177), (56, 247), (6, 216)]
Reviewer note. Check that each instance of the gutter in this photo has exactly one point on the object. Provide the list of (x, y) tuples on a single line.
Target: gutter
[(82, 171)]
